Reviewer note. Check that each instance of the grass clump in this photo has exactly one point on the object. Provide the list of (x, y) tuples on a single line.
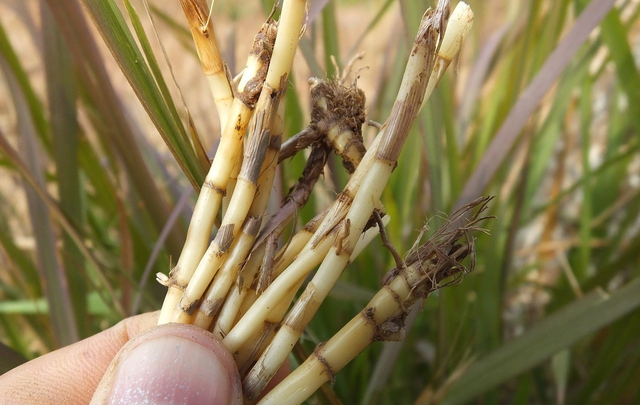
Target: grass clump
[(537, 111)]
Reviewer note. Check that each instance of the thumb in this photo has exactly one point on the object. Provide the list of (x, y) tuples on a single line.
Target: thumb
[(171, 364)]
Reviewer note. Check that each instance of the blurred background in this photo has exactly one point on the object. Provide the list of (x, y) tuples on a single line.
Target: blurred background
[(541, 110)]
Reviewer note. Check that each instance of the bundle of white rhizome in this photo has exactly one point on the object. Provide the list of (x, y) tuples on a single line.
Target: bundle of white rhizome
[(243, 285)]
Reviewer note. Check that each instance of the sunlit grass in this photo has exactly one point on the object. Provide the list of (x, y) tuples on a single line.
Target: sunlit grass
[(564, 243)]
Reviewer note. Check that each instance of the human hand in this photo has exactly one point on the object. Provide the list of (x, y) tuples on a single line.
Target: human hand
[(133, 362)]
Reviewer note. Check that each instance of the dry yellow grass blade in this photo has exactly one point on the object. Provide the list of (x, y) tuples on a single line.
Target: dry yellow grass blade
[(204, 37)]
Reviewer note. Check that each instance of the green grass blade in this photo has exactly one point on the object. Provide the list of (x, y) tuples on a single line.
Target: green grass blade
[(96, 306), (108, 116), (307, 49), (55, 280), (26, 282), (556, 332), (65, 131), (330, 38), (530, 98), (614, 347), (64, 222), (110, 22), (14, 65), (614, 35), (24, 307), (164, 90), (20, 280), (150, 57), (581, 269)]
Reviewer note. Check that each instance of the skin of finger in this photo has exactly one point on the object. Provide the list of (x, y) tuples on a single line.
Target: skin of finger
[(70, 375), (188, 332)]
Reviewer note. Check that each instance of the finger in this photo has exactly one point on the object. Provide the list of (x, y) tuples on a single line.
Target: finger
[(70, 375), (171, 364)]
